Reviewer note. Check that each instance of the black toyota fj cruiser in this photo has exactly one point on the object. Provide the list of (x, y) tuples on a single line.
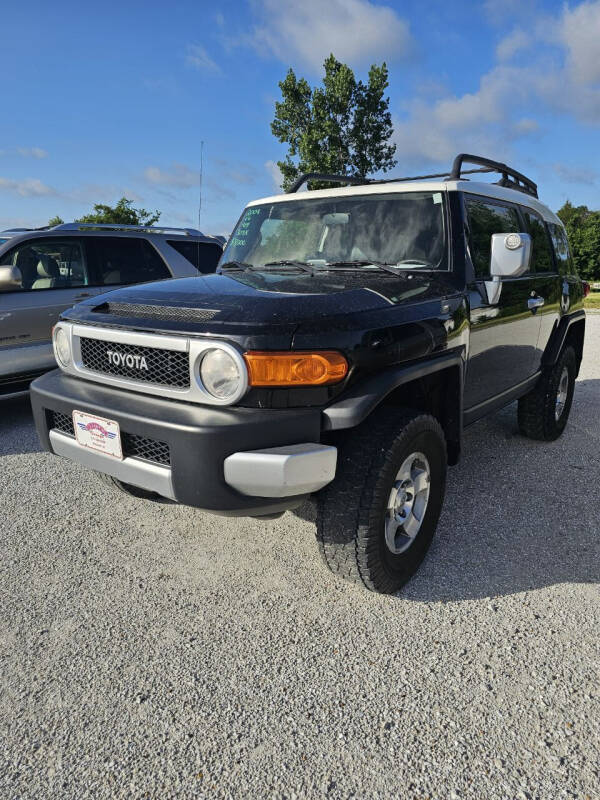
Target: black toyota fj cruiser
[(349, 336)]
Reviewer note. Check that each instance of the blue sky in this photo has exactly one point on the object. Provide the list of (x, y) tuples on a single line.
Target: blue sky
[(112, 100)]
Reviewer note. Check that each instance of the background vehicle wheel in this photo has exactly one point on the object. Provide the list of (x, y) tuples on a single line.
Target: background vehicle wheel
[(376, 520), (128, 488), (543, 413)]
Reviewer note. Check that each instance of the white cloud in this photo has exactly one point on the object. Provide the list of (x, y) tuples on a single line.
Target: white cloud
[(198, 57), (581, 35), (27, 187), (178, 175), (475, 121), (356, 31), (25, 152), (275, 174), (524, 127), (32, 152), (511, 44), (558, 69)]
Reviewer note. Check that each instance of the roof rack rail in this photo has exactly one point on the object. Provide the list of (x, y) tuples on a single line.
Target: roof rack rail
[(511, 179), (83, 226), (320, 176)]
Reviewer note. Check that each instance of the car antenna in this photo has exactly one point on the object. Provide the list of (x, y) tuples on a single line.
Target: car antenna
[(200, 202)]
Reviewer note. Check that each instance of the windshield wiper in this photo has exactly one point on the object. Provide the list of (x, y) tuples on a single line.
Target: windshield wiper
[(416, 262), (285, 262), (242, 265), (393, 269), (245, 266)]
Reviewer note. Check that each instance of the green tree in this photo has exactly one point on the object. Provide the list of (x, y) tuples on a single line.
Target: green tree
[(55, 221), (123, 213), (583, 230), (342, 127)]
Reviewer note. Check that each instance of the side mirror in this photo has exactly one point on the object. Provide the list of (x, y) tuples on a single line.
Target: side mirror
[(11, 279), (510, 258)]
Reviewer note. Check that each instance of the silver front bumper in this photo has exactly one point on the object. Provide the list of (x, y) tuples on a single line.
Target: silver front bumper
[(281, 471), (275, 472), (153, 477)]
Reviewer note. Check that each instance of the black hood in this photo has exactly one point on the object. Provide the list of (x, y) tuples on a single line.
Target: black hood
[(256, 299)]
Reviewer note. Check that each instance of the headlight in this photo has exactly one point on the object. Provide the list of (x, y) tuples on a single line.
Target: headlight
[(62, 347), (220, 374)]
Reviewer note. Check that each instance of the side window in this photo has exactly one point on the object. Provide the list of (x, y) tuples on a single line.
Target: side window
[(49, 264), (561, 249), (486, 218), (121, 261), (203, 255), (541, 256)]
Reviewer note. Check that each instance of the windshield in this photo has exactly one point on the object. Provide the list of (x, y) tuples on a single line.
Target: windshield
[(404, 230)]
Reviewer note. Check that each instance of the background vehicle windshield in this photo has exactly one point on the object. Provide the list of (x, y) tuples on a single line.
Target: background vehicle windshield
[(390, 228)]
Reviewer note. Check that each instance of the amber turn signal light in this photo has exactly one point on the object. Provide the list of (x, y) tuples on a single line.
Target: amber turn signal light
[(295, 369)]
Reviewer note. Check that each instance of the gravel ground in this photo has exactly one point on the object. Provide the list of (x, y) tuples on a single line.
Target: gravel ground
[(154, 651)]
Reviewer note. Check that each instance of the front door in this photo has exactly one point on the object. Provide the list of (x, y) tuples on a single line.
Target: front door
[(504, 331), (55, 276)]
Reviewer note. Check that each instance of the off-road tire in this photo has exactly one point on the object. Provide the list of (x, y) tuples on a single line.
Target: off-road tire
[(536, 413), (351, 510), (128, 488)]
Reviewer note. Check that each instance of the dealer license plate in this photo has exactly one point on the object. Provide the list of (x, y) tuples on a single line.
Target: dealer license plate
[(97, 433)]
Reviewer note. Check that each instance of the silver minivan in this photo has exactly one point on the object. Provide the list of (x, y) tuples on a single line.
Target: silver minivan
[(44, 272)]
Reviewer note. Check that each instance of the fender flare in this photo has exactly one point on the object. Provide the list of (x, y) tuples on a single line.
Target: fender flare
[(363, 398), (559, 334)]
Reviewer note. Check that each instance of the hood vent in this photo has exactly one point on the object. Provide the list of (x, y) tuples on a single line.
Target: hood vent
[(157, 312)]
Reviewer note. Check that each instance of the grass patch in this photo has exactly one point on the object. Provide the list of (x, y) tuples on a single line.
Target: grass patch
[(592, 300)]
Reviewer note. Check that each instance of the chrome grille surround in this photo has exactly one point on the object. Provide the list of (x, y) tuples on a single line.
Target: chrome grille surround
[(167, 367), (194, 349)]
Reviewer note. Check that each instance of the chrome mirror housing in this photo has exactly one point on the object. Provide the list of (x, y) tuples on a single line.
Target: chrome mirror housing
[(510, 258)]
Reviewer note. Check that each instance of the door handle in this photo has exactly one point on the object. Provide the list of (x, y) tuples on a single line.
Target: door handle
[(535, 302), (82, 295)]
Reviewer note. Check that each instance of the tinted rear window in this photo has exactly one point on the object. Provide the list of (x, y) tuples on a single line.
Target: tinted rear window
[(541, 259), (561, 250), (122, 261), (203, 255)]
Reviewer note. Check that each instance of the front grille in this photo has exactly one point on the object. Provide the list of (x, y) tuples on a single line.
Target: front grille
[(61, 422), (157, 312), (133, 446), (136, 446), (147, 364)]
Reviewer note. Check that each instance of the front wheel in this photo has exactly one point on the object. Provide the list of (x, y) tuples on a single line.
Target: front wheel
[(543, 413), (376, 520)]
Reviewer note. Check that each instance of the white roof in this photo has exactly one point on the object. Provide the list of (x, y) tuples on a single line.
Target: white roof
[(471, 187)]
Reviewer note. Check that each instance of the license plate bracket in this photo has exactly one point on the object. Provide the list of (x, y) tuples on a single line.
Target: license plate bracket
[(98, 433)]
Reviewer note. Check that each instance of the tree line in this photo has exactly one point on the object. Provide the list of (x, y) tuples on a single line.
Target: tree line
[(122, 213), (583, 232), (344, 126)]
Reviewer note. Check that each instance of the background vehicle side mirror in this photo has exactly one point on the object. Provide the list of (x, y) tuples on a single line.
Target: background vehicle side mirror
[(11, 279), (510, 258)]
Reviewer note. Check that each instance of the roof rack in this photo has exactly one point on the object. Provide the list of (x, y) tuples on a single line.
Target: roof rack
[(511, 179), (320, 176), (86, 226)]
